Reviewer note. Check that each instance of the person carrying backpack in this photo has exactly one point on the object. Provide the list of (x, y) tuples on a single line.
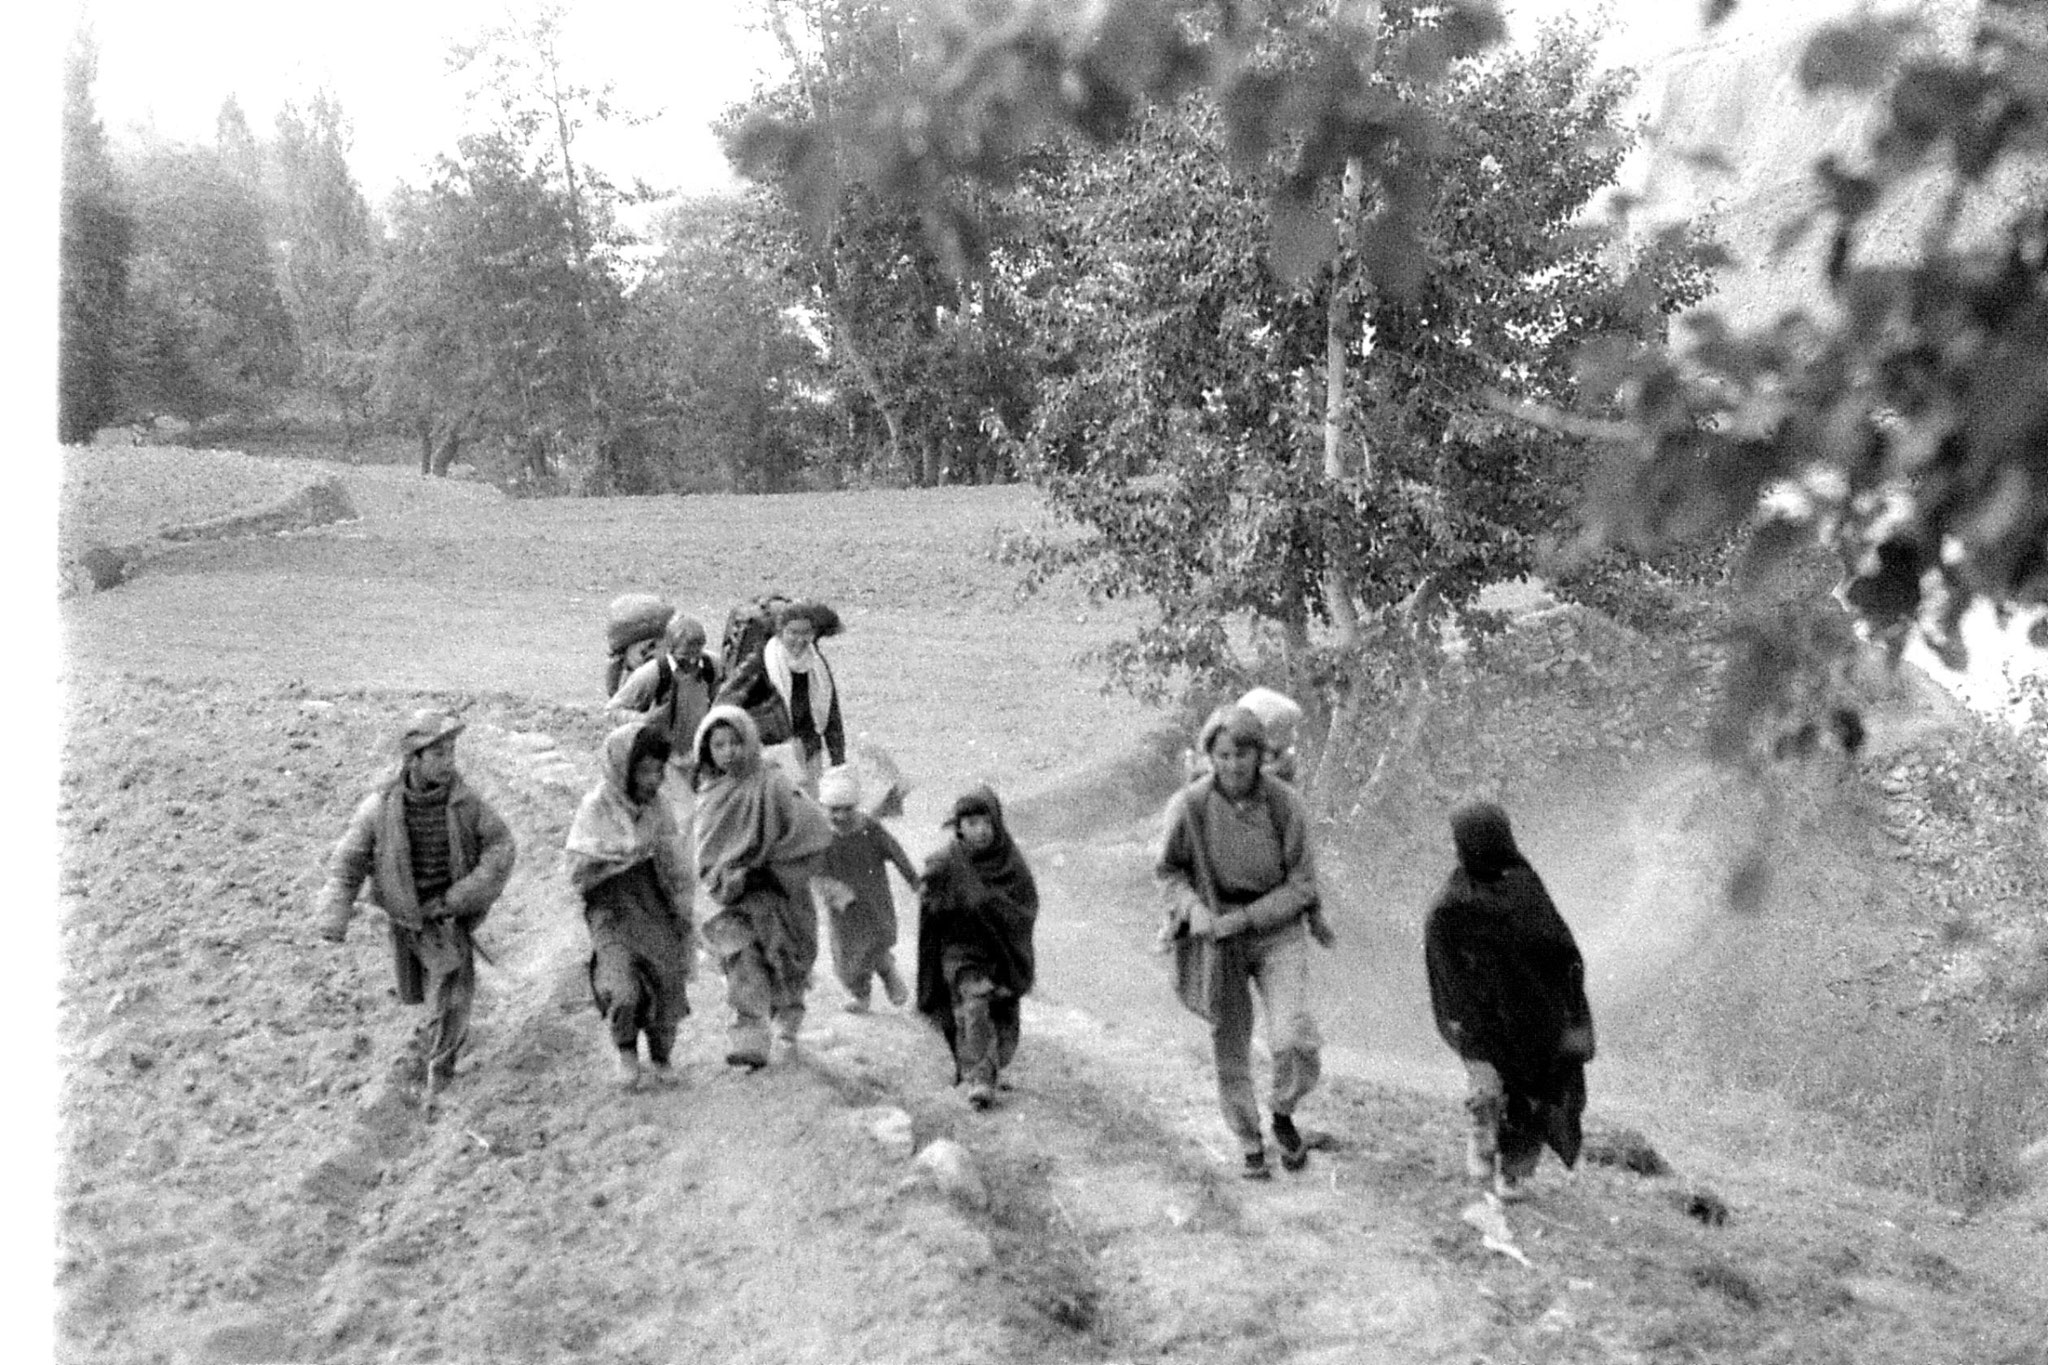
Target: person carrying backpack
[(789, 691), (1238, 869), (672, 690), (634, 624)]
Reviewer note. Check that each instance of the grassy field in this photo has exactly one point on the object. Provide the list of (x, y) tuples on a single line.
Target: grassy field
[(241, 1176)]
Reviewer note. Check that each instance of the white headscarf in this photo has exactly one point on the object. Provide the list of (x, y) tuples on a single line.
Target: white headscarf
[(779, 666)]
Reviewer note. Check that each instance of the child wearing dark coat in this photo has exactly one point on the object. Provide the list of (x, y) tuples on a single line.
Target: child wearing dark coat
[(852, 890), (976, 911), (1508, 989)]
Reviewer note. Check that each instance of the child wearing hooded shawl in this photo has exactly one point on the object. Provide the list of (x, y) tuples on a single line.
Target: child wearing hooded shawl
[(758, 841), (1507, 987), (627, 860), (1236, 864), (976, 909)]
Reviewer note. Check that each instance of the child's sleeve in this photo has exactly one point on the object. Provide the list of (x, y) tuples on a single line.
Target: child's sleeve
[(893, 851)]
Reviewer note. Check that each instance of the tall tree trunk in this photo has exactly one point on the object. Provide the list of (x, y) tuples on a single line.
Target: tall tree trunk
[(870, 381), (1340, 328), (817, 93), (579, 238)]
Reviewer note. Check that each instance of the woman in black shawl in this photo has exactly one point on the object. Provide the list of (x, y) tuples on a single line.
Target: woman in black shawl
[(1507, 986), (976, 910)]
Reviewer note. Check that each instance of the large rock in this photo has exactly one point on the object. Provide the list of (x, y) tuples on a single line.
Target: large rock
[(952, 1169)]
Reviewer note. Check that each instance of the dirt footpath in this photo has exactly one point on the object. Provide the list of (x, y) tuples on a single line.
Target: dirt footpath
[(247, 1174)]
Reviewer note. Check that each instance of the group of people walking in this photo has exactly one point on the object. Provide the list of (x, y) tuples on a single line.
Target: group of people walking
[(698, 809)]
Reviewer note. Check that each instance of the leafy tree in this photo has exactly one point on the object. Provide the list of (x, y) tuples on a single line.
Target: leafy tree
[(734, 380), (997, 77), (1184, 416), (97, 237), (1911, 415), (930, 361), (539, 111), (1906, 412), (212, 332), (325, 245), (481, 310)]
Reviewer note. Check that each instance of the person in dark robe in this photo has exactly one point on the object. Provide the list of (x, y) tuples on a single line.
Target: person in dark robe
[(627, 860), (977, 906), (1508, 989)]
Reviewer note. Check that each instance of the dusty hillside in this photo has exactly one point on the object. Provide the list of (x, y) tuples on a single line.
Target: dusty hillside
[(246, 1177), (1734, 139)]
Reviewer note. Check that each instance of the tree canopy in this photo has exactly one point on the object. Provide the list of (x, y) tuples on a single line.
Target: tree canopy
[(1181, 421), (96, 244)]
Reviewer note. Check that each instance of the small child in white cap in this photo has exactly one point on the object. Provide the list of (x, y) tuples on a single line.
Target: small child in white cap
[(853, 896)]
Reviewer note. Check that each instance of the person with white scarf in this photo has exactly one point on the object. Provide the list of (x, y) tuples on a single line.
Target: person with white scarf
[(795, 679)]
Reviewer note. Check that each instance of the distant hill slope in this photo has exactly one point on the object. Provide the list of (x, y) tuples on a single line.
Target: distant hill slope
[(1733, 96)]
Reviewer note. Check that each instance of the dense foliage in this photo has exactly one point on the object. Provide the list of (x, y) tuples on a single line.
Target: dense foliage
[(1183, 415), (1911, 413), (95, 246)]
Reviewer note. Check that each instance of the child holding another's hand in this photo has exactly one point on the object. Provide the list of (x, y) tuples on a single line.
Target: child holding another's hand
[(852, 891)]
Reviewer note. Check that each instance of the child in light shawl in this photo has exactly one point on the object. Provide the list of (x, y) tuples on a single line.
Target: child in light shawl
[(758, 841), (627, 859)]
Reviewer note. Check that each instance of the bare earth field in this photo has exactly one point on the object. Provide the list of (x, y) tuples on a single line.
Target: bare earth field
[(246, 1175)]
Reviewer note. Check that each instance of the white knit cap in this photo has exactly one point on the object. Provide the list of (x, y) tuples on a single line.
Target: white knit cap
[(839, 786)]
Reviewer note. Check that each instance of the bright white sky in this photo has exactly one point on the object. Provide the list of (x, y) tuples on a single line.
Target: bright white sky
[(171, 65)]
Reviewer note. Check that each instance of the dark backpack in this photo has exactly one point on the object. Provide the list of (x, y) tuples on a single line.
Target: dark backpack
[(748, 628)]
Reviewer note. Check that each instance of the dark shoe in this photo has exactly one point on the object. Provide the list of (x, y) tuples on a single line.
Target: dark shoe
[(752, 1061), (981, 1096), (1293, 1151), (1255, 1167)]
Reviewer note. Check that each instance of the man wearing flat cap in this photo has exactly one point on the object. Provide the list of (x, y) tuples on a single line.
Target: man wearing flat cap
[(435, 856)]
